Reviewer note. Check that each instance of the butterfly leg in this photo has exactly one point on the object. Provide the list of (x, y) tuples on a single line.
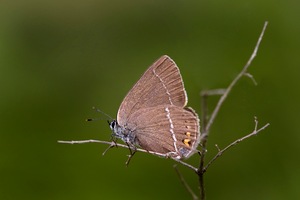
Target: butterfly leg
[(113, 144), (132, 150)]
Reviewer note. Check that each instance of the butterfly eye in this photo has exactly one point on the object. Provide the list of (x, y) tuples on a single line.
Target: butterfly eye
[(112, 124)]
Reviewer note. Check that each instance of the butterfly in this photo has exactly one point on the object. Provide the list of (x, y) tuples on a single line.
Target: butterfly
[(153, 115)]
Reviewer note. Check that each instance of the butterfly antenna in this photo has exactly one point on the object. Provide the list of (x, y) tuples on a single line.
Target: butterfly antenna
[(100, 111)]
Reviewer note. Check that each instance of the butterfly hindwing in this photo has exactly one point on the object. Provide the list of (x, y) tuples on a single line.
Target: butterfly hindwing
[(166, 130)]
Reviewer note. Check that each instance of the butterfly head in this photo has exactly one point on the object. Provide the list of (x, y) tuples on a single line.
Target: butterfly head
[(123, 133)]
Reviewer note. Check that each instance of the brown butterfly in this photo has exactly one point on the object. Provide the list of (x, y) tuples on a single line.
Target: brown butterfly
[(153, 115)]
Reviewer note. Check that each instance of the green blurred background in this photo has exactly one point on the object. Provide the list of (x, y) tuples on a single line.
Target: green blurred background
[(58, 59)]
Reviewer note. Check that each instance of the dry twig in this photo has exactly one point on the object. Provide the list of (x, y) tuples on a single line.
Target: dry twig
[(220, 152), (184, 183)]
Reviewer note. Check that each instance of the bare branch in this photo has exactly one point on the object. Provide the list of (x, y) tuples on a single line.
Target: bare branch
[(217, 146), (213, 92), (114, 144), (186, 164), (89, 141), (220, 152), (251, 77), (184, 183)]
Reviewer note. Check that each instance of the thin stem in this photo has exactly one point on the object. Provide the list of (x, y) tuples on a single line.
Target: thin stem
[(114, 144), (220, 152), (184, 183)]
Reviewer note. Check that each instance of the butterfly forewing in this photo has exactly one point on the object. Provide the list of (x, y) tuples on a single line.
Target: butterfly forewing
[(161, 84)]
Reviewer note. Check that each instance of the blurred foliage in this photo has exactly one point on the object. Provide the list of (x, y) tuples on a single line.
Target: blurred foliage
[(58, 59)]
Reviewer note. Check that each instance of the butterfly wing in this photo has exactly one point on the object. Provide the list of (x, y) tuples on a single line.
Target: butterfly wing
[(161, 84), (170, 130)]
